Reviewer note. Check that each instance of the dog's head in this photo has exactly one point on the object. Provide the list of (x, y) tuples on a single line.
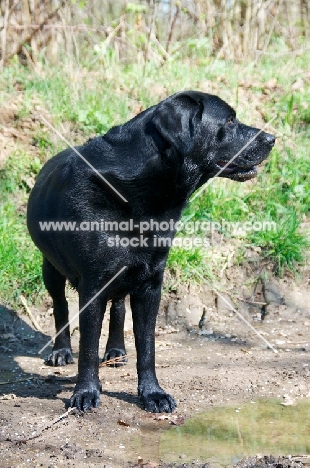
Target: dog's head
[(204, 129)]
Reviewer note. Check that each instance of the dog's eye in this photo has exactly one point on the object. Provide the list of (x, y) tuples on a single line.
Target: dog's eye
[(230, 121)]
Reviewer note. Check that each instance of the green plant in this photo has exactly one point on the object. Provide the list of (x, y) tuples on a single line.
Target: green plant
[(19, 259), (286, 246)]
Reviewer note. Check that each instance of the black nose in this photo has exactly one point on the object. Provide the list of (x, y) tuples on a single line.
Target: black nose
[(270, 139)]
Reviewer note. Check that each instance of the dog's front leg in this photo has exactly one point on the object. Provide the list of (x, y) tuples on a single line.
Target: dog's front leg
[(88, 387), (145, 304)]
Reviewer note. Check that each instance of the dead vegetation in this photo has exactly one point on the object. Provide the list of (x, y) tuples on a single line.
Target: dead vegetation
[(149, 29)]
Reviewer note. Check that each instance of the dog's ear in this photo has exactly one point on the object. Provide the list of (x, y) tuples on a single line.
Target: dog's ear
[(177, 120)]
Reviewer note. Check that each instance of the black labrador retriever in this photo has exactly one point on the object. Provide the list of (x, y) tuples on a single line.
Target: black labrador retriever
[(154, 162)]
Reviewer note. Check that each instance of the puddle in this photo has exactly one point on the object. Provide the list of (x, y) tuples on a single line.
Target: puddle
[(226, 434)]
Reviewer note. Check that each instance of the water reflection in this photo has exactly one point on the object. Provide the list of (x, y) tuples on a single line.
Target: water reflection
[(226, 434)]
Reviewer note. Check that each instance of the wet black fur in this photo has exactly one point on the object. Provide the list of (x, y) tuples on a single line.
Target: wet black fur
[(156, 161)]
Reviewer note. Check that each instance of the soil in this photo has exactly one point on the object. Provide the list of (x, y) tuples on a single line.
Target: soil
[(206, 356)]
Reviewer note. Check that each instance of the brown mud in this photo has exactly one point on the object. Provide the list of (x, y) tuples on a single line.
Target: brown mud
[(219, 363)]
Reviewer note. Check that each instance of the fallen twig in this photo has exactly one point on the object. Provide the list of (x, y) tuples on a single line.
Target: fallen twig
[(32, 318), (48, 426), (16, 381), (113, 361), (253, 302)]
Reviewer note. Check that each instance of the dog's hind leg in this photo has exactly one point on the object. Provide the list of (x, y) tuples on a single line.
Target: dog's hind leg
[(116, 345), (55, 284)]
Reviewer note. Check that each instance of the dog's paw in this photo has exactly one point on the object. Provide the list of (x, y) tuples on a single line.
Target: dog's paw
[(116, 356), (60, 357), (158, 402), (86, 396)]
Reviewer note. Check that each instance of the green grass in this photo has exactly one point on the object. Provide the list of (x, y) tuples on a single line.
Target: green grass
[(85, 101), (186, 265), (281, 195), (20, 261), (286, 246)]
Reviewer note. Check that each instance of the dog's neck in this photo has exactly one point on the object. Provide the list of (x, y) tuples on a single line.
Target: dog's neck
[(162, 179)]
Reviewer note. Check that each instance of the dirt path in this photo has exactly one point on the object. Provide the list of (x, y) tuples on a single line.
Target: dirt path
[(220, 363)]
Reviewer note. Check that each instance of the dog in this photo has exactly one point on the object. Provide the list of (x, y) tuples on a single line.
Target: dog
[(141, 173)]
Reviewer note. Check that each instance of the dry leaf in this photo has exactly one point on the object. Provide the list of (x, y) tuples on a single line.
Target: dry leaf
[(121, 422), (177, 421), (173, 419)]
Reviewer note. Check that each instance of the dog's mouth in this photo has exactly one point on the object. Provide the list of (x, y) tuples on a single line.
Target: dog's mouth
[(235, 172)]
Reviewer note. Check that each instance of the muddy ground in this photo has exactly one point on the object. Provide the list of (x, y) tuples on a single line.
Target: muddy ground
[(219, 362)]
